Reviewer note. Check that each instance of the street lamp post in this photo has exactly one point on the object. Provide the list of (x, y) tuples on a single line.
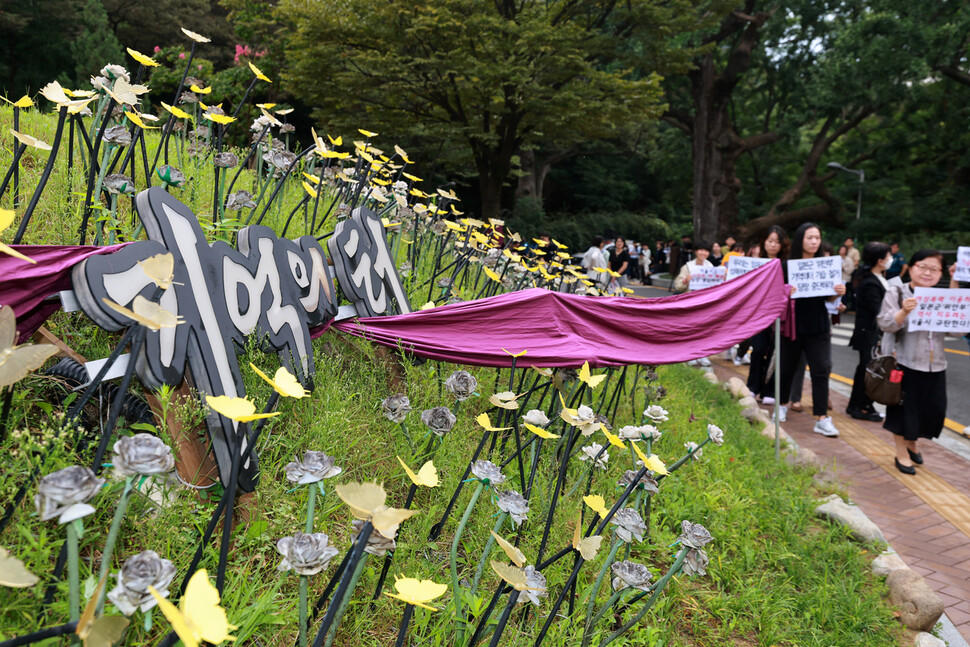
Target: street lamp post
[(862, 178)]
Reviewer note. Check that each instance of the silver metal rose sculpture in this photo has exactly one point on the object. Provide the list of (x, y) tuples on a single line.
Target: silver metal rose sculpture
[(630, 574), (314, 467), (695, 562), (514, 504), (225, 160), (143, 454), (488, 472), (646, 482), (440, 420), (536, 418), (136, 575), (396, 407), (461, 384), (377, 544), (240, 200), (629, 525), (305, 554), (694, 535), (536, 582), (595, 452), (715, 434), (64, 494)]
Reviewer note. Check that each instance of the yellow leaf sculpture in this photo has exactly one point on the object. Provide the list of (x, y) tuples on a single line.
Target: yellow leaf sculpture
[(238, 409), (514, 554), (587, 546), (147, 313), (283, 382), (367, 501), (13, 573)]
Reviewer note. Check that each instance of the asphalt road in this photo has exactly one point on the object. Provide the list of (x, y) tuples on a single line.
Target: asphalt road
[(845, 359)]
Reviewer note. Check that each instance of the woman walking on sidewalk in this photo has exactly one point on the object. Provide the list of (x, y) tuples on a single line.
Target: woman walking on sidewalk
[(920, 356), (813, 336), (876, 257), (773, 245)]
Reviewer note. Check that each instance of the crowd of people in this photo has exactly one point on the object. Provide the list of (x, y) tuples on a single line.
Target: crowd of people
[(877, 284)]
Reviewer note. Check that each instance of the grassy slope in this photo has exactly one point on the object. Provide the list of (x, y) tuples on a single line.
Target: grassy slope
[(777, 576)]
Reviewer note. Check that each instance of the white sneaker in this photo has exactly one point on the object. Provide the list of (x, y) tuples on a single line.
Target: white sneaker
[(782, 414), (692, 362), (733, 354), (704, 361), (737, 361), (826, 428), (745, 360), (768, 401)]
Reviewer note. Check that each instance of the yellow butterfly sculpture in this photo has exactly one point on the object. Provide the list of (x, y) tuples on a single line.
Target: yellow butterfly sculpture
[(597, 503), (160, 268), (592, 380), (238, 409), (652, 462), (513, 576), (613, 438), (147, 313), (198, 616), (587, 546), (486, 424), (283, 382), (539, 431), (100, 632), (367, 501), (417, 592), (427, 476), (514, 554), (13, 573), (504, 400), (6, 219), (17, 361)]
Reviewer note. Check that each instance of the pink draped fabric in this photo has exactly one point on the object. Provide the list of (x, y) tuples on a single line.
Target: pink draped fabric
[(25, 286), (565, 330)]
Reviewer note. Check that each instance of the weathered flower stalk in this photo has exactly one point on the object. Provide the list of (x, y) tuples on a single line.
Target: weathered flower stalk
[(455, 585)]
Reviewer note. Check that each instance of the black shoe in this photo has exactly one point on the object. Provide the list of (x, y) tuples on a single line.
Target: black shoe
[(859, 414), (905, 469), (916, 457)]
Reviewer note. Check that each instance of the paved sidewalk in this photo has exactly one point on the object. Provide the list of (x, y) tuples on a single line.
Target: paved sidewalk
[(926, 517)]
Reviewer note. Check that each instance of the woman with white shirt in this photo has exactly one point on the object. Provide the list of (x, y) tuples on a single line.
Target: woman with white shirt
[(920, 356), (702, 250)]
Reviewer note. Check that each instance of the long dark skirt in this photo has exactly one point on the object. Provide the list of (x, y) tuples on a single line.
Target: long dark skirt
[(923, 410)]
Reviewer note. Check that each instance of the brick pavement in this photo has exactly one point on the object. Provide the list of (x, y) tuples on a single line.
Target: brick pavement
[(926, 518)]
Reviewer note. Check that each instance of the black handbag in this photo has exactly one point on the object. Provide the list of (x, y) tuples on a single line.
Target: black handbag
[(884, 381)]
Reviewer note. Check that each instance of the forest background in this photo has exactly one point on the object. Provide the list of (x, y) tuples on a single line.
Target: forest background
[(648, 118)]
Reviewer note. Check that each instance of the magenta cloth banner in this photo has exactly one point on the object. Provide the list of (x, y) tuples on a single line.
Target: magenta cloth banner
[(565, 330), (25, 286)]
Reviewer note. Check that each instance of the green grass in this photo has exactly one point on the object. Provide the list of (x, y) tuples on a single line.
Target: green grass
[(778, 576)]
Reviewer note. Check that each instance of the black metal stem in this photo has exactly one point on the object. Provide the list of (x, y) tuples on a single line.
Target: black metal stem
[(51, 158)]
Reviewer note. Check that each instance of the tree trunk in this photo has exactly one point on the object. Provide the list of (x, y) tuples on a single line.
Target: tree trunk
[(716, 148)]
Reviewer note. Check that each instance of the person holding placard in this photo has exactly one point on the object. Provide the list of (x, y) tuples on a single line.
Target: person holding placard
[(773, 245), (921, 359), (812, 323), (702, 250), (876, 258)]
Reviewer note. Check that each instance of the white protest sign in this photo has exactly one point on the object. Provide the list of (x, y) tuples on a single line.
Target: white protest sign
[(706, 277), (963, 264), (814, 277), (738, 265), (940, 310)]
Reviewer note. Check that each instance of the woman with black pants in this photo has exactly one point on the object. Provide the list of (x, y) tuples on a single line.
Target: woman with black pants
[(773, 245), (813, 335), (876, 257)]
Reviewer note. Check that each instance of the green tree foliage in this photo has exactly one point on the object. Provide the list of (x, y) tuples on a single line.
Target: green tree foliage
[(476, 82), (35, 48), (94, 45)]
